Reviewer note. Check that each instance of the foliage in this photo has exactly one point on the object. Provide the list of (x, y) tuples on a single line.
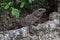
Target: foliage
[(18, 5), (15, 12), (14, 6)]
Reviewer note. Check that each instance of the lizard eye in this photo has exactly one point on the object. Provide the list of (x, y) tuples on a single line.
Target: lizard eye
[(40, 10)]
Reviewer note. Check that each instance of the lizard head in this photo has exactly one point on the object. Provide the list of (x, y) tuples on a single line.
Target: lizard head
[(39, 12)]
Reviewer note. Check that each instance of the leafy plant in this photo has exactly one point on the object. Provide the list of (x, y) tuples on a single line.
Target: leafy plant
[(15, 12), (30, 1), (22, 4), (7, 5), (15, 5)]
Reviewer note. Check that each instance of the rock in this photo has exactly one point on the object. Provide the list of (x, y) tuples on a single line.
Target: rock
[(53, 15)]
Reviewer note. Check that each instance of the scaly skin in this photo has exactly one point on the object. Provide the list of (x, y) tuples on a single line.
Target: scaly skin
[(32, 18), (29, 20)]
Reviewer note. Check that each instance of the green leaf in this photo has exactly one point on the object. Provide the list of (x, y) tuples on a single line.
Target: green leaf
[(22, 4), (8, 5), (3, 3), (30, 1), (15, 12)]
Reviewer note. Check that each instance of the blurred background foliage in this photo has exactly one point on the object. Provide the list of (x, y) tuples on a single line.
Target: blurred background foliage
[(15, 6)]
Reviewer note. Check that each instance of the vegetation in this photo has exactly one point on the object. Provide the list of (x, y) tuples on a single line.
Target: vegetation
[(14, 6)]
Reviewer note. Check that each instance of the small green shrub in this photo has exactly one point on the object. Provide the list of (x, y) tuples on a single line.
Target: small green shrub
[(14, 6), (15, 12), (18, 5)]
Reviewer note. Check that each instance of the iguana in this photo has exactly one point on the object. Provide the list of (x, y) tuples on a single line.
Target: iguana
[(29, 20)]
